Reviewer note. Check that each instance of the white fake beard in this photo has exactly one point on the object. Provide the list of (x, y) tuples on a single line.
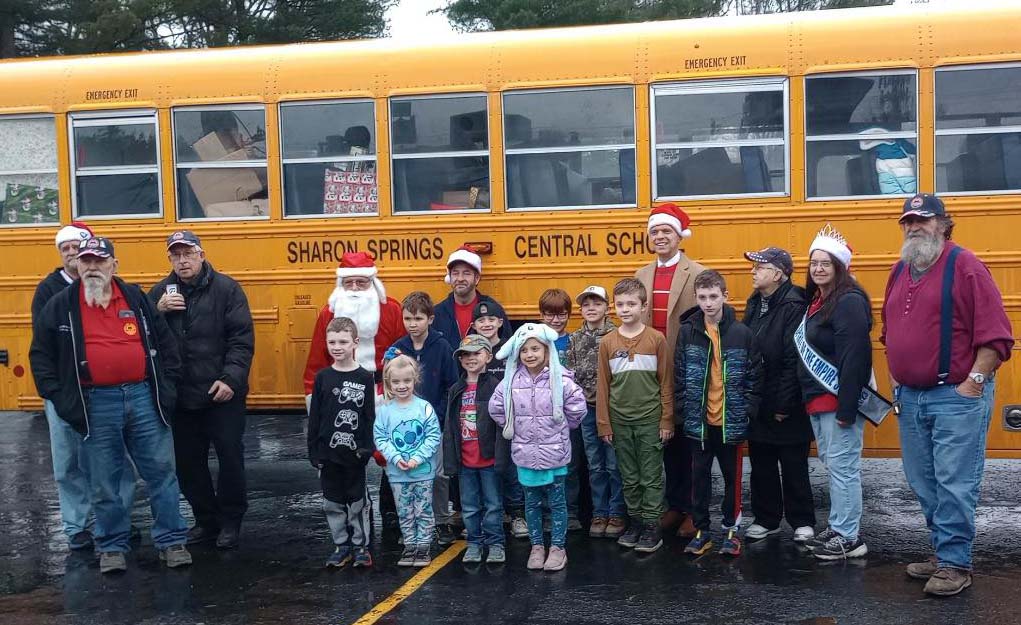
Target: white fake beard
[(97, 292), (921, 251), (362, 307)]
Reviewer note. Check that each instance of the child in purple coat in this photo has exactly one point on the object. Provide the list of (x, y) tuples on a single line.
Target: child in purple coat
[(536, 404)]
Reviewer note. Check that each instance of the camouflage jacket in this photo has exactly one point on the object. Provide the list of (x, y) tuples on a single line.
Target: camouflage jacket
[(582, 356)]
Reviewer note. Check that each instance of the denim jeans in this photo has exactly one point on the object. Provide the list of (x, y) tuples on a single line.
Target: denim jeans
[(513, 493), (840, 452), (556, 496), (573, 482), (123, 419), (603, 474), (943, 445), (482, 505), (72, 476)]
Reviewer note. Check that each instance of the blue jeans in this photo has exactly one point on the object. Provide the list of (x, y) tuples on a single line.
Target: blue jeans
[(482, 505), (603, 475), (840, 452), (556, 496), (573, 483), (513, 494), (123, 418), (72, 476), (943, 445)]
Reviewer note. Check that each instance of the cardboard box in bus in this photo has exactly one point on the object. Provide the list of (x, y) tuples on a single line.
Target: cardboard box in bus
[(246, 208), (472, 198), (212, 186)]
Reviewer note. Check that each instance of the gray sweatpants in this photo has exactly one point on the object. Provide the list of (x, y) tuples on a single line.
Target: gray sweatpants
[(349, 523), (441, 492)]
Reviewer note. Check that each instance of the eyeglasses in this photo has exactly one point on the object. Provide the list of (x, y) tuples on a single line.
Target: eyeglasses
[(764, 266), (178, 256), (358, 284), (820, 264), (555, 316)]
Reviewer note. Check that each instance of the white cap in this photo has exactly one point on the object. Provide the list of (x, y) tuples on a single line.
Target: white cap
[(76, 231), (595, 290)]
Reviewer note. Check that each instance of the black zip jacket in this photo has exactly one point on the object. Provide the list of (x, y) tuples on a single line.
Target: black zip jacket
[(215, 335), (491, 442), (843, 339), (48, 287), (781, 390), (445, 321), (61, 366)]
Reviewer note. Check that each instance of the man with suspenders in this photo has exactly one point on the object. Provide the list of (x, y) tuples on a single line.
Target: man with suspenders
[(944, 388)]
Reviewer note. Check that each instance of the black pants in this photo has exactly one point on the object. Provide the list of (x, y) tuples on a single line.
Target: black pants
[(677, 464), (729, 457), (223, 426), (780, 484)]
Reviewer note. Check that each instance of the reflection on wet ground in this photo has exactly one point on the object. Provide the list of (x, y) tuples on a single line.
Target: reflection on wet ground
[(276, 577)]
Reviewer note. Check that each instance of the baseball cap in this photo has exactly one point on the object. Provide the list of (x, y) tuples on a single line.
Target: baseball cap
[(184, 237), (923, 205), (100, 247), (471, 344), (594, 290), (487, 309), (775, 256)]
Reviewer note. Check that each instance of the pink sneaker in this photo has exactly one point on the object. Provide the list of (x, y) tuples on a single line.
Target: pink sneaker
[(536, 558), (557, 559)]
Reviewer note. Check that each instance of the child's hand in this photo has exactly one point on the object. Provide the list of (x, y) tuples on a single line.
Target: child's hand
[(666, 435), (403, 465), (413, 463), (608, 439)]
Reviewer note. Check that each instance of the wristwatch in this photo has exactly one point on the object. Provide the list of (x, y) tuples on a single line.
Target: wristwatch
[(977, 378)]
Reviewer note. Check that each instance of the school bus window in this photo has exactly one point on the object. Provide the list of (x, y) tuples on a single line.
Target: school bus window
[(115, 160), (221, 162), (570, 148), (978, 129), (861, 134), (28, 171), (440, 147), (329, 158), (720, 138)]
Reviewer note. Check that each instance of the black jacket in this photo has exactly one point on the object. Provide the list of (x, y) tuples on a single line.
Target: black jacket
[(215, 335), (445, 321), (60, 364), (781, 390), (50, 286), (491, 441), (843, 339)]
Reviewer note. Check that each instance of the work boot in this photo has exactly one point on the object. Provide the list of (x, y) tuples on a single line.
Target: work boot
[(597, 529), (175, 556), (201, 534), (922, 570), (615, 527), (650, 539), (556, 560), (687, 528), (948, 581), (634, 531), (112, 562), (537, 558)]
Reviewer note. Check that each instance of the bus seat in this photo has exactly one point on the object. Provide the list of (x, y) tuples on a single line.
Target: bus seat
[(709, 171), (755, 170), (830, 176), (960, 173), (862, 178), (1011, 145), (988, 152)]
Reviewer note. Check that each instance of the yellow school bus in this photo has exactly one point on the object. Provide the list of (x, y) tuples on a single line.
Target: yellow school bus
[(543, 148)]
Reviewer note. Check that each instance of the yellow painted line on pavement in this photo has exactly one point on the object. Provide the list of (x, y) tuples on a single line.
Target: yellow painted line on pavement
[(413, 584)]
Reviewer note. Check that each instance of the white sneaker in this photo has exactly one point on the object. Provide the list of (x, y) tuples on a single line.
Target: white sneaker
[(804, 534), (757, 532), (519, 528)]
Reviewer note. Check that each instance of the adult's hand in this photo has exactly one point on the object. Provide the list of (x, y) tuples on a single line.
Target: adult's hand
[(221, 392), (969, 388), (171, 302)]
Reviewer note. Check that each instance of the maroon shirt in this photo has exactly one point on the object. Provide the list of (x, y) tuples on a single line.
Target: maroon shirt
[(911, 314)]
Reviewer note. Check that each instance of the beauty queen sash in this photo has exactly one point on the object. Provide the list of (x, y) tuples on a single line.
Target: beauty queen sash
[(871, 405)]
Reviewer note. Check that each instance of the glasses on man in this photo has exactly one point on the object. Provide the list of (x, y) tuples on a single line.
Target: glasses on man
[(356, 284), (188, 255), (561, 316)]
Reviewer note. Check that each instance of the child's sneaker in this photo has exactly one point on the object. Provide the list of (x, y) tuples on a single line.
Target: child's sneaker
[(340, 558), (615, 527), (821, 538), (407, 556), (731, 544), (363, 558), (573, 525), (556, 560), (537, 558), (840, 548), (473, 554), (497, 555), (422, 557), (445, 535), (700, 544), (597, 529), (634, 531), (519, 527), (650, 539)]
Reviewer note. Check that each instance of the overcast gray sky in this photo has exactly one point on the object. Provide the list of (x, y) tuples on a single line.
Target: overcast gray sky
[(410, 20)]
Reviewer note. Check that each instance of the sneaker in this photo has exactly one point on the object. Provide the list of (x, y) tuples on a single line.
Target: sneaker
[(340, 558), (821, 538), (199, 534), (650, 539), (731, 544), (634, 531), (597, 529), (948, 581), (700, 544), (473, 554), (536, 558), (519, 527), (840, 548), (803, 534), (422, 557), (573, 525), (407, 556), (556, 560), (445, 535), (922, 570), (112, 562), (363, 557), (687, 528), (615, 527), (464, 533), (497, 555), (175, 556), (228, 538), (80, 541), (758, 532)]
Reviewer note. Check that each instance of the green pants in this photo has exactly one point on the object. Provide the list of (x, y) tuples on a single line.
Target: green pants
[(640, 460)]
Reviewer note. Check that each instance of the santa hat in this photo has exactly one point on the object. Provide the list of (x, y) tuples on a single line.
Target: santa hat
[(509, 352), (360, 265), (467, 255), (671, 215), (829, 240), (77, 232)]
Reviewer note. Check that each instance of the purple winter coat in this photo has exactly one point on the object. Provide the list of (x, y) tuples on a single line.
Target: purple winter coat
[(539, 441)]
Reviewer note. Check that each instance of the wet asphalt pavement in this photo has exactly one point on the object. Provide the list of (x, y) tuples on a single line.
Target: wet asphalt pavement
[(277, 575)]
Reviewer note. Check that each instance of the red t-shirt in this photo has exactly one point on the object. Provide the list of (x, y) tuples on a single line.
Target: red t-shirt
[(471, 452), (661, 296), (463, 315), (113, 345), (827, 402)]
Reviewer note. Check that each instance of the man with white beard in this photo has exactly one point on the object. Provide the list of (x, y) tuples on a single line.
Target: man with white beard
[(110, 366), (943, 388)]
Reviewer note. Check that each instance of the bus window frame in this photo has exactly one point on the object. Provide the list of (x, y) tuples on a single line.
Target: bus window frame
[(727, 85), (488, 153), (30, 172), (568, 149), (124, 117), (374, 157), (249, 163), (916, 135), (974, 130)]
